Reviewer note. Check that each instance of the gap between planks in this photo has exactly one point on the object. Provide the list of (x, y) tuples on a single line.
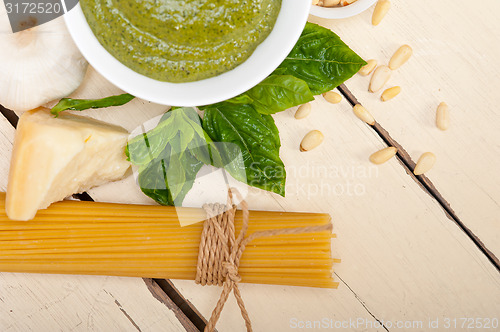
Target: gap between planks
[(161, 289), (362, 302), (9, 115), (423, 181)]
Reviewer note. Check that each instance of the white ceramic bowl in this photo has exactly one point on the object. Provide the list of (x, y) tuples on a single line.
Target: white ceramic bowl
[(267, 57), (342, 12)]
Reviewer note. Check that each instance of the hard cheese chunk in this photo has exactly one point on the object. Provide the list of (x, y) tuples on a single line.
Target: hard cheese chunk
[(56, 157)]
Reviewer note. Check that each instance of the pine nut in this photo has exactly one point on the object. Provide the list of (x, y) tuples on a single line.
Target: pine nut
[(368, 68), (380, 76), (399, 58), (390, 93), (330, 3), (303, 111), (383, 155), (346, 2), (311, 140), (381, 9), (363, 114), (424, 163), (332, 97), (443, 116)]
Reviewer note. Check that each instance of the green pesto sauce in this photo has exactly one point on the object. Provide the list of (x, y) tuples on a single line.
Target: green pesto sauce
[(181, 40)]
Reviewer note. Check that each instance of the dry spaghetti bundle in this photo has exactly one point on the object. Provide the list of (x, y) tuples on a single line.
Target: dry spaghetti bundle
[(73, 237)]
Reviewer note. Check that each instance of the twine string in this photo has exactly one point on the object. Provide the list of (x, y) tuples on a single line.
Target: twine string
[(220, 251)]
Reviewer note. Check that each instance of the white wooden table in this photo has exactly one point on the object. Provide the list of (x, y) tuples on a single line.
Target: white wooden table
[(416, 251)]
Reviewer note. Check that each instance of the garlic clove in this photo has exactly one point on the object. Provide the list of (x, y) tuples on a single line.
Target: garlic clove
[(41, 64)]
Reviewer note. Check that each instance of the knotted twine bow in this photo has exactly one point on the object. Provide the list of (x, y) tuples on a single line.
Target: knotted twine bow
[(220, 251)]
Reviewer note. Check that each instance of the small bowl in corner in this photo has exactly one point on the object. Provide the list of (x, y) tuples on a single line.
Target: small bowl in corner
[(353, 9)]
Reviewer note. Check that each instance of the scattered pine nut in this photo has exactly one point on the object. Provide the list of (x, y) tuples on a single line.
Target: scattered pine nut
[(399, 58), (311, 140), (383, 155), (380, 76), (380, 11), (368, 68), (346, 2), (390, 93), (424, 163), (443, 116), (332, 97), (363, 114), (303, 111), (330, 3)]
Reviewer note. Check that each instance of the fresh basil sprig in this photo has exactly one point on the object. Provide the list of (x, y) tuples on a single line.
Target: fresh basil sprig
[(319, 62), (170, 155), (83, 104)]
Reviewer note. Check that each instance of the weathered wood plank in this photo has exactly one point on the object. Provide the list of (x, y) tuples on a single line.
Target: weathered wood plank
[(456, 46), (6, 136), (31, 302)]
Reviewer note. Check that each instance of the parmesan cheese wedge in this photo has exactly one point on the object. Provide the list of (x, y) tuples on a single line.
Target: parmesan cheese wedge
[(54, 158)]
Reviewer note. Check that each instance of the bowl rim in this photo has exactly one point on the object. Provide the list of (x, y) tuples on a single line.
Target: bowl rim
[(342, 12), (287, 30)]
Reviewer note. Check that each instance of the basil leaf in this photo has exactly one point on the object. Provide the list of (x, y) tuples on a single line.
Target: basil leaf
[(170, 155), (321, 59), (83, 104), (241, 99), (277, 93), (168, 180), (153, 182), (257, 137), (181, 173), (143, 148), (279, 71)]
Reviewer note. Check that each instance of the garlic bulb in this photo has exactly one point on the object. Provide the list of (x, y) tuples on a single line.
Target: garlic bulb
[(37, 65)]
